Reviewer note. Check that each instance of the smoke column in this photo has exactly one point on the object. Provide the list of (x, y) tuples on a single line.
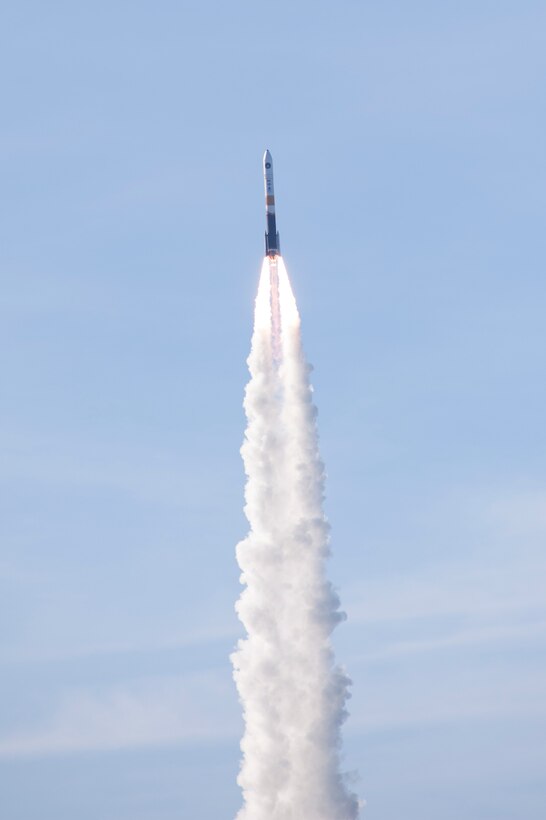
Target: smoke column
[(293, 695)]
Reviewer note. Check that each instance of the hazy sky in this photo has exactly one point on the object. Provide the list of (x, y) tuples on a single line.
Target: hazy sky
[(408, 141)]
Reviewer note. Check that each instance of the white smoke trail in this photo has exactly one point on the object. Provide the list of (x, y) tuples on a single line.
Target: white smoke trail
[(293, 695)]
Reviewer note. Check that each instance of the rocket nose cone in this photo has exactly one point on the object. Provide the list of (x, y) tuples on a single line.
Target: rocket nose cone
[(267, 157)]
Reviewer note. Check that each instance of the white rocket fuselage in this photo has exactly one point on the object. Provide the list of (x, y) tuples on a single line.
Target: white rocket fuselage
[(272, 243)]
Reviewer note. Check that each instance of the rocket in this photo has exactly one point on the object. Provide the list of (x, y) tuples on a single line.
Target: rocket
[(272, 244)]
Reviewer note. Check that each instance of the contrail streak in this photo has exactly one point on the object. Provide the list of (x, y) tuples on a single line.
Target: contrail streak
[(292, 693)]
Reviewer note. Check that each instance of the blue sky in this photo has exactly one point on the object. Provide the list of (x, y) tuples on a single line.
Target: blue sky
[(408, 142)]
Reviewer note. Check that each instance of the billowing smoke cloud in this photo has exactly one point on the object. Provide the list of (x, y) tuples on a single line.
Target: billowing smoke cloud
[(292, 693)]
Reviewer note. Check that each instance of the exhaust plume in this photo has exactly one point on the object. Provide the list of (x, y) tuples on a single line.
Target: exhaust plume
[(292, 693)]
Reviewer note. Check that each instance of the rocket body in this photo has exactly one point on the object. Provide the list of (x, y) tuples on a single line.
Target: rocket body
[(272, 244)]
